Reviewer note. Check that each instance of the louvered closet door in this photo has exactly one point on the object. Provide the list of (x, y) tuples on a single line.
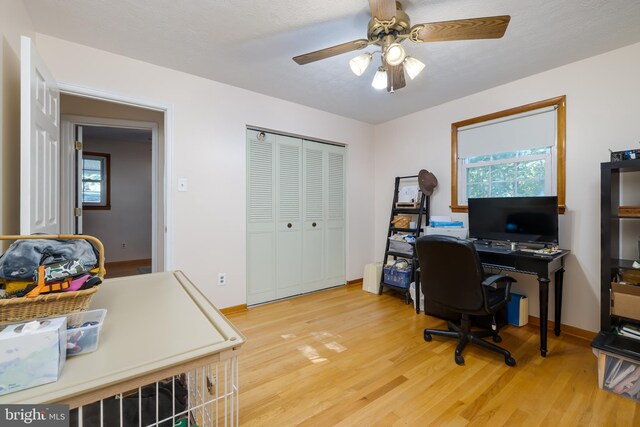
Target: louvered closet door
[(261, 214), (336, 213), (314, 211), (288, 216)]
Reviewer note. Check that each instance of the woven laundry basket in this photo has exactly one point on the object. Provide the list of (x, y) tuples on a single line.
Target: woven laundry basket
[(51, 304)]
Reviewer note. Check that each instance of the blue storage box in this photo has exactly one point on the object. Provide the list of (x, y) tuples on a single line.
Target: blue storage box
[(518, 310), (398, 274)]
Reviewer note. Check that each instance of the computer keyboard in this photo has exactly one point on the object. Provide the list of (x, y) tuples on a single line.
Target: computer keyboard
[(495, 249)]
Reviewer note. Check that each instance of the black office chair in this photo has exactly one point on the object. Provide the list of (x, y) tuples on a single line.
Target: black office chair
[(451, 275)]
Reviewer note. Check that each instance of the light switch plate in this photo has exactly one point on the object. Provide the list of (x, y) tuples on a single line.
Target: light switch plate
[(183, 184)]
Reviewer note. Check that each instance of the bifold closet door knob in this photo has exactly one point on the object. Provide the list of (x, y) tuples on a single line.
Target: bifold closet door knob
[(313, 225), (289, 225)]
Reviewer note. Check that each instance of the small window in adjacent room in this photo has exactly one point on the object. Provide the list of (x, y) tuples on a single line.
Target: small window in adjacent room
[(95, 181), (518, 152)]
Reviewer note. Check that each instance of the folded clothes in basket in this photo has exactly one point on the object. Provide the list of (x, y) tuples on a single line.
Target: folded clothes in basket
[(23, 257)]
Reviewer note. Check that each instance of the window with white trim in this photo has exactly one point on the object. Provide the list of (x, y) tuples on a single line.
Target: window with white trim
[(95, 181), (514, 153), (521, 173)]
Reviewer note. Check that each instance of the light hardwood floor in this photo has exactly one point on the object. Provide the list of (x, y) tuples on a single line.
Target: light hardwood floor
[(350, 358), (127, 268)]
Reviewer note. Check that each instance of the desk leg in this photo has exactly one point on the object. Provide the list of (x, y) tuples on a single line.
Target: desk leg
[(418, 291), (544, 313), (559, 277)]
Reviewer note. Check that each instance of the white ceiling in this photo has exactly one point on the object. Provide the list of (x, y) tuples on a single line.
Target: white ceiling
[(250, 43)]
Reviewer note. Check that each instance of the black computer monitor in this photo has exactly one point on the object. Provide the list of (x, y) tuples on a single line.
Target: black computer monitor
[(514, 219)]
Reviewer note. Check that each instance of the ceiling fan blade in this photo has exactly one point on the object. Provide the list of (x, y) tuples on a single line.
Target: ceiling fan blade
[(384, 10), (331, 51), (395, 77), (490, 27)]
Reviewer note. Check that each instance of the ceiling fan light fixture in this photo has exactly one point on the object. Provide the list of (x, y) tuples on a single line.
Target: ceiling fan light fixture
[(413, 67), (380, 79), (395, 54), (360, 63)]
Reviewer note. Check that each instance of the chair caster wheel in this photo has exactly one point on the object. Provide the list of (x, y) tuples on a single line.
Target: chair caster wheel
[(510, 361), (427, 337), (497, 338), (459, 360)]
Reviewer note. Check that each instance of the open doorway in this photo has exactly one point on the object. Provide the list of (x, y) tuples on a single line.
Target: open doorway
[(113, 184), (116, 179)]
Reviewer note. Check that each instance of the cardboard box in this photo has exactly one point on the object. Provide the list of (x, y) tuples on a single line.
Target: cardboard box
[(625, 300), (630, 276), (32, 353)]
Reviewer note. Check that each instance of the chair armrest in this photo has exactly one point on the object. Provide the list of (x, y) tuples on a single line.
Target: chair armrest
[(494, 282)]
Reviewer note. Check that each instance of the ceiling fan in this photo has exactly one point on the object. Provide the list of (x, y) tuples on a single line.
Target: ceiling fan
[(389, 27)]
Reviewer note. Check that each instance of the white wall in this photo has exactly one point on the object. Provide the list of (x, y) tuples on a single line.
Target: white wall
[(129, 219), (14, 22), (602, 112), (208, 128), (208, 141)]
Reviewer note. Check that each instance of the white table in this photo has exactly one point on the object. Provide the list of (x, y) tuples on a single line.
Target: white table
[(157, 325)]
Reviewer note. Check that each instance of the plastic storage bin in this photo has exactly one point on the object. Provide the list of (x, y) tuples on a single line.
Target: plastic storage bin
[(398, 274), (618, 375), (400, 246), (83, 331)]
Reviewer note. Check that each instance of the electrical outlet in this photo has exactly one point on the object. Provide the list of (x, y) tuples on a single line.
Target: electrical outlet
[(222, 279), (124, 245)]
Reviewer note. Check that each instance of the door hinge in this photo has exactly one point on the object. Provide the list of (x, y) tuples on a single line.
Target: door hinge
[(77, 211), (78, 145)]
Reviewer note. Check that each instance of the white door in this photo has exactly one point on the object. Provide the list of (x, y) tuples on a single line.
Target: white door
[(261, 243), (336, 213), (313, 239), (39, 145), (288, 216), (295, 216)]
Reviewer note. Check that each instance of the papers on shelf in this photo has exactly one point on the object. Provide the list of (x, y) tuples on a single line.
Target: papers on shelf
[(458, 224), (630, 331), (443, 221)]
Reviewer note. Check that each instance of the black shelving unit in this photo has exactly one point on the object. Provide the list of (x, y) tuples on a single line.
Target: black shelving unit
[(611, 263), (421, 215)]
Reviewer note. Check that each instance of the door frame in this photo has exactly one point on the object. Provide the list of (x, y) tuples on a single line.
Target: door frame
[(67, 178), (69, 123)]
